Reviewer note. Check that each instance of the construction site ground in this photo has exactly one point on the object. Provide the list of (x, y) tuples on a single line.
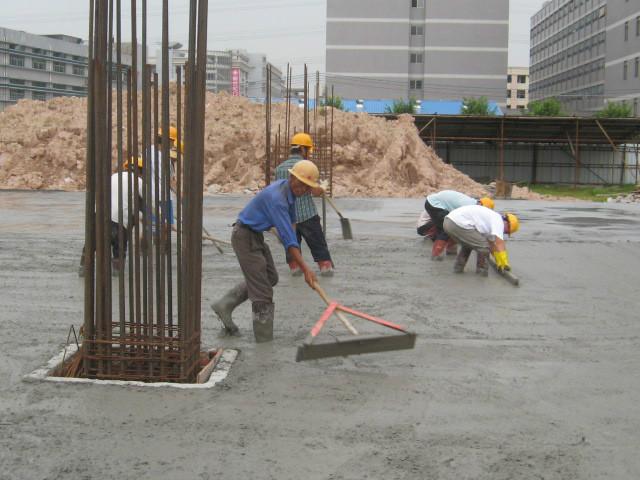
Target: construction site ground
[(539, 381)]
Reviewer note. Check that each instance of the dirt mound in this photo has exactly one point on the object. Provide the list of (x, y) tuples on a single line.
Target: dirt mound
[(43, 145)]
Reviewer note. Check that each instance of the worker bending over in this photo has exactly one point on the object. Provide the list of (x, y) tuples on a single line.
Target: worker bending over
[(308, 221), (127, 214), (438, 205), (272, 207), (481, 229)]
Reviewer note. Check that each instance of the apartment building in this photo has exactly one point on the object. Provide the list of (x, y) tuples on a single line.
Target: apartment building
[(40, 67), (584, 53), (517, 88), (417, 48), (257, 79)]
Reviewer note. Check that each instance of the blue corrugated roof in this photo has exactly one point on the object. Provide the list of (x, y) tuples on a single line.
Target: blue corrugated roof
[(426, 107)]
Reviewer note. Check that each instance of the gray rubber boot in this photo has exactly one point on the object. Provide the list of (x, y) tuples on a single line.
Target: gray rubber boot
[(482, 263), (225, 306), (263, 321), (461, 259)]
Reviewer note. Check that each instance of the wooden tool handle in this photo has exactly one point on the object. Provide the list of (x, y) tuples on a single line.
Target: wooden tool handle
[(333, 205), (339, 314)]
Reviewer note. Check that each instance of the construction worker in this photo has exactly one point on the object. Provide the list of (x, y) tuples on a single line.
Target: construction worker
[(165, 208), (481, 229), (273, 207), (116, 227), (425, 226), (438, 205), (308, 221)]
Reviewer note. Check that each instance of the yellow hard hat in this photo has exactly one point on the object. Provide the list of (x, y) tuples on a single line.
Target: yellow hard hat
[(307, 172), (173, 133), (302, 140), (487, 202), (514, 223), (131, 160)]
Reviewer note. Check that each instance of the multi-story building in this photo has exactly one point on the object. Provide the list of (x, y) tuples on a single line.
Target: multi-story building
[(517, 88), (417, 48), (257, 79), (41, 67), (585, 52)]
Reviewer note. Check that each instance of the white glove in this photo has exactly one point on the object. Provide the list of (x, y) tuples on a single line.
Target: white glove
[(324, 184)]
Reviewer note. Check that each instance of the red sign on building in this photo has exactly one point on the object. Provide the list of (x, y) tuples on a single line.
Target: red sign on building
[(235, 82)]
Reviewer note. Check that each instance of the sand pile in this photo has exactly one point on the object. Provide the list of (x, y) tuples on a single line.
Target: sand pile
[(43, 144)]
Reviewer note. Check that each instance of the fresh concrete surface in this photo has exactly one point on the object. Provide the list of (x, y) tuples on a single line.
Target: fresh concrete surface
[(540, 381)]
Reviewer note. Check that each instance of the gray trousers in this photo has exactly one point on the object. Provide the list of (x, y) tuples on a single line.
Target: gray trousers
[(256, 262), (466, 237)]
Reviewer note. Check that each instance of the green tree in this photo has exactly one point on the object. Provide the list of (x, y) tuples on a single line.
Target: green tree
[(615, 110), (477, 106), (401, 106), (335, 102), (549, 107)]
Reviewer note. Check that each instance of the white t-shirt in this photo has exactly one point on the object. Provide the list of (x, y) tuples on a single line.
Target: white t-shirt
[(424, 218), (125, 196), (487, 222), (152, 161)]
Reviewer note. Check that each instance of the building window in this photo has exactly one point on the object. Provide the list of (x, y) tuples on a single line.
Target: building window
[(508, 93), (417, 3), (77, 70), (79, 89), (415, 84), (638, 26), (417, 30), (15, 94), (16, 60), (15, 81), (59, 67), (415, 58), (636, 68), (626, 31), (522, 79), (39, 84), (522, 93), (41, 96), (38, 64), (508, 78), (625, 68), (59, 86)]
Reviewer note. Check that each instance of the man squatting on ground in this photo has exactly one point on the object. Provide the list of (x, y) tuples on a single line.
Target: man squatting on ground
[(308, 221), (481, 229), (127, 177), (272, 207), (437, 206)]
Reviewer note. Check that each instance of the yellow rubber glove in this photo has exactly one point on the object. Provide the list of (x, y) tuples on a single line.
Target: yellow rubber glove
[(502, 260)]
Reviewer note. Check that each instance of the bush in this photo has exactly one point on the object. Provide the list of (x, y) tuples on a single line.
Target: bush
[(549, 107), (477, 106), (401, 106), (615, 110), (335, 102)]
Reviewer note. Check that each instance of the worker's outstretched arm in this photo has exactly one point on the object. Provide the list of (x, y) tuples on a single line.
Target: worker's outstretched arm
[(309, 276)]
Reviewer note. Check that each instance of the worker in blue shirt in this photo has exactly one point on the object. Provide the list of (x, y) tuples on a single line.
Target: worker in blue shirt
[(307, 218), (273, 207)]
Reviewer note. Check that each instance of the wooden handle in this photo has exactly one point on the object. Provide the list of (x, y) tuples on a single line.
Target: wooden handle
[(333, 205), (339, 314)]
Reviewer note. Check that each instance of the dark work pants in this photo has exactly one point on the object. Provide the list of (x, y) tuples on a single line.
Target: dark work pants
[(311, 231), (437, 215), (115, 241)]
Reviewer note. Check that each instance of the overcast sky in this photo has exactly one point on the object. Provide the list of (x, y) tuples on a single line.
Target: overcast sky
[(286, 30)]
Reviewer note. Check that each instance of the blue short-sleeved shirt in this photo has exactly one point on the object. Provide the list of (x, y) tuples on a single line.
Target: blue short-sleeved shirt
[(449, 200), (275, 206)]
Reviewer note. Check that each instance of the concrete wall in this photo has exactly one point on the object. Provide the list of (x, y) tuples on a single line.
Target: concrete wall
[(461, 47), (623, 49)]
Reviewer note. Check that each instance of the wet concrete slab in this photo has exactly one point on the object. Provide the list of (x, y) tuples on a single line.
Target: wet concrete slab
[(539, 381)]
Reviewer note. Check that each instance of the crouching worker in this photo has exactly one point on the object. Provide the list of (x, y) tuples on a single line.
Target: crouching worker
[(272, 207), (481, 229), (438, 206)]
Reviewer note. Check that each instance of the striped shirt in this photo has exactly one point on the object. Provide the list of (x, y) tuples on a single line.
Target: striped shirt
[(305, 207)]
